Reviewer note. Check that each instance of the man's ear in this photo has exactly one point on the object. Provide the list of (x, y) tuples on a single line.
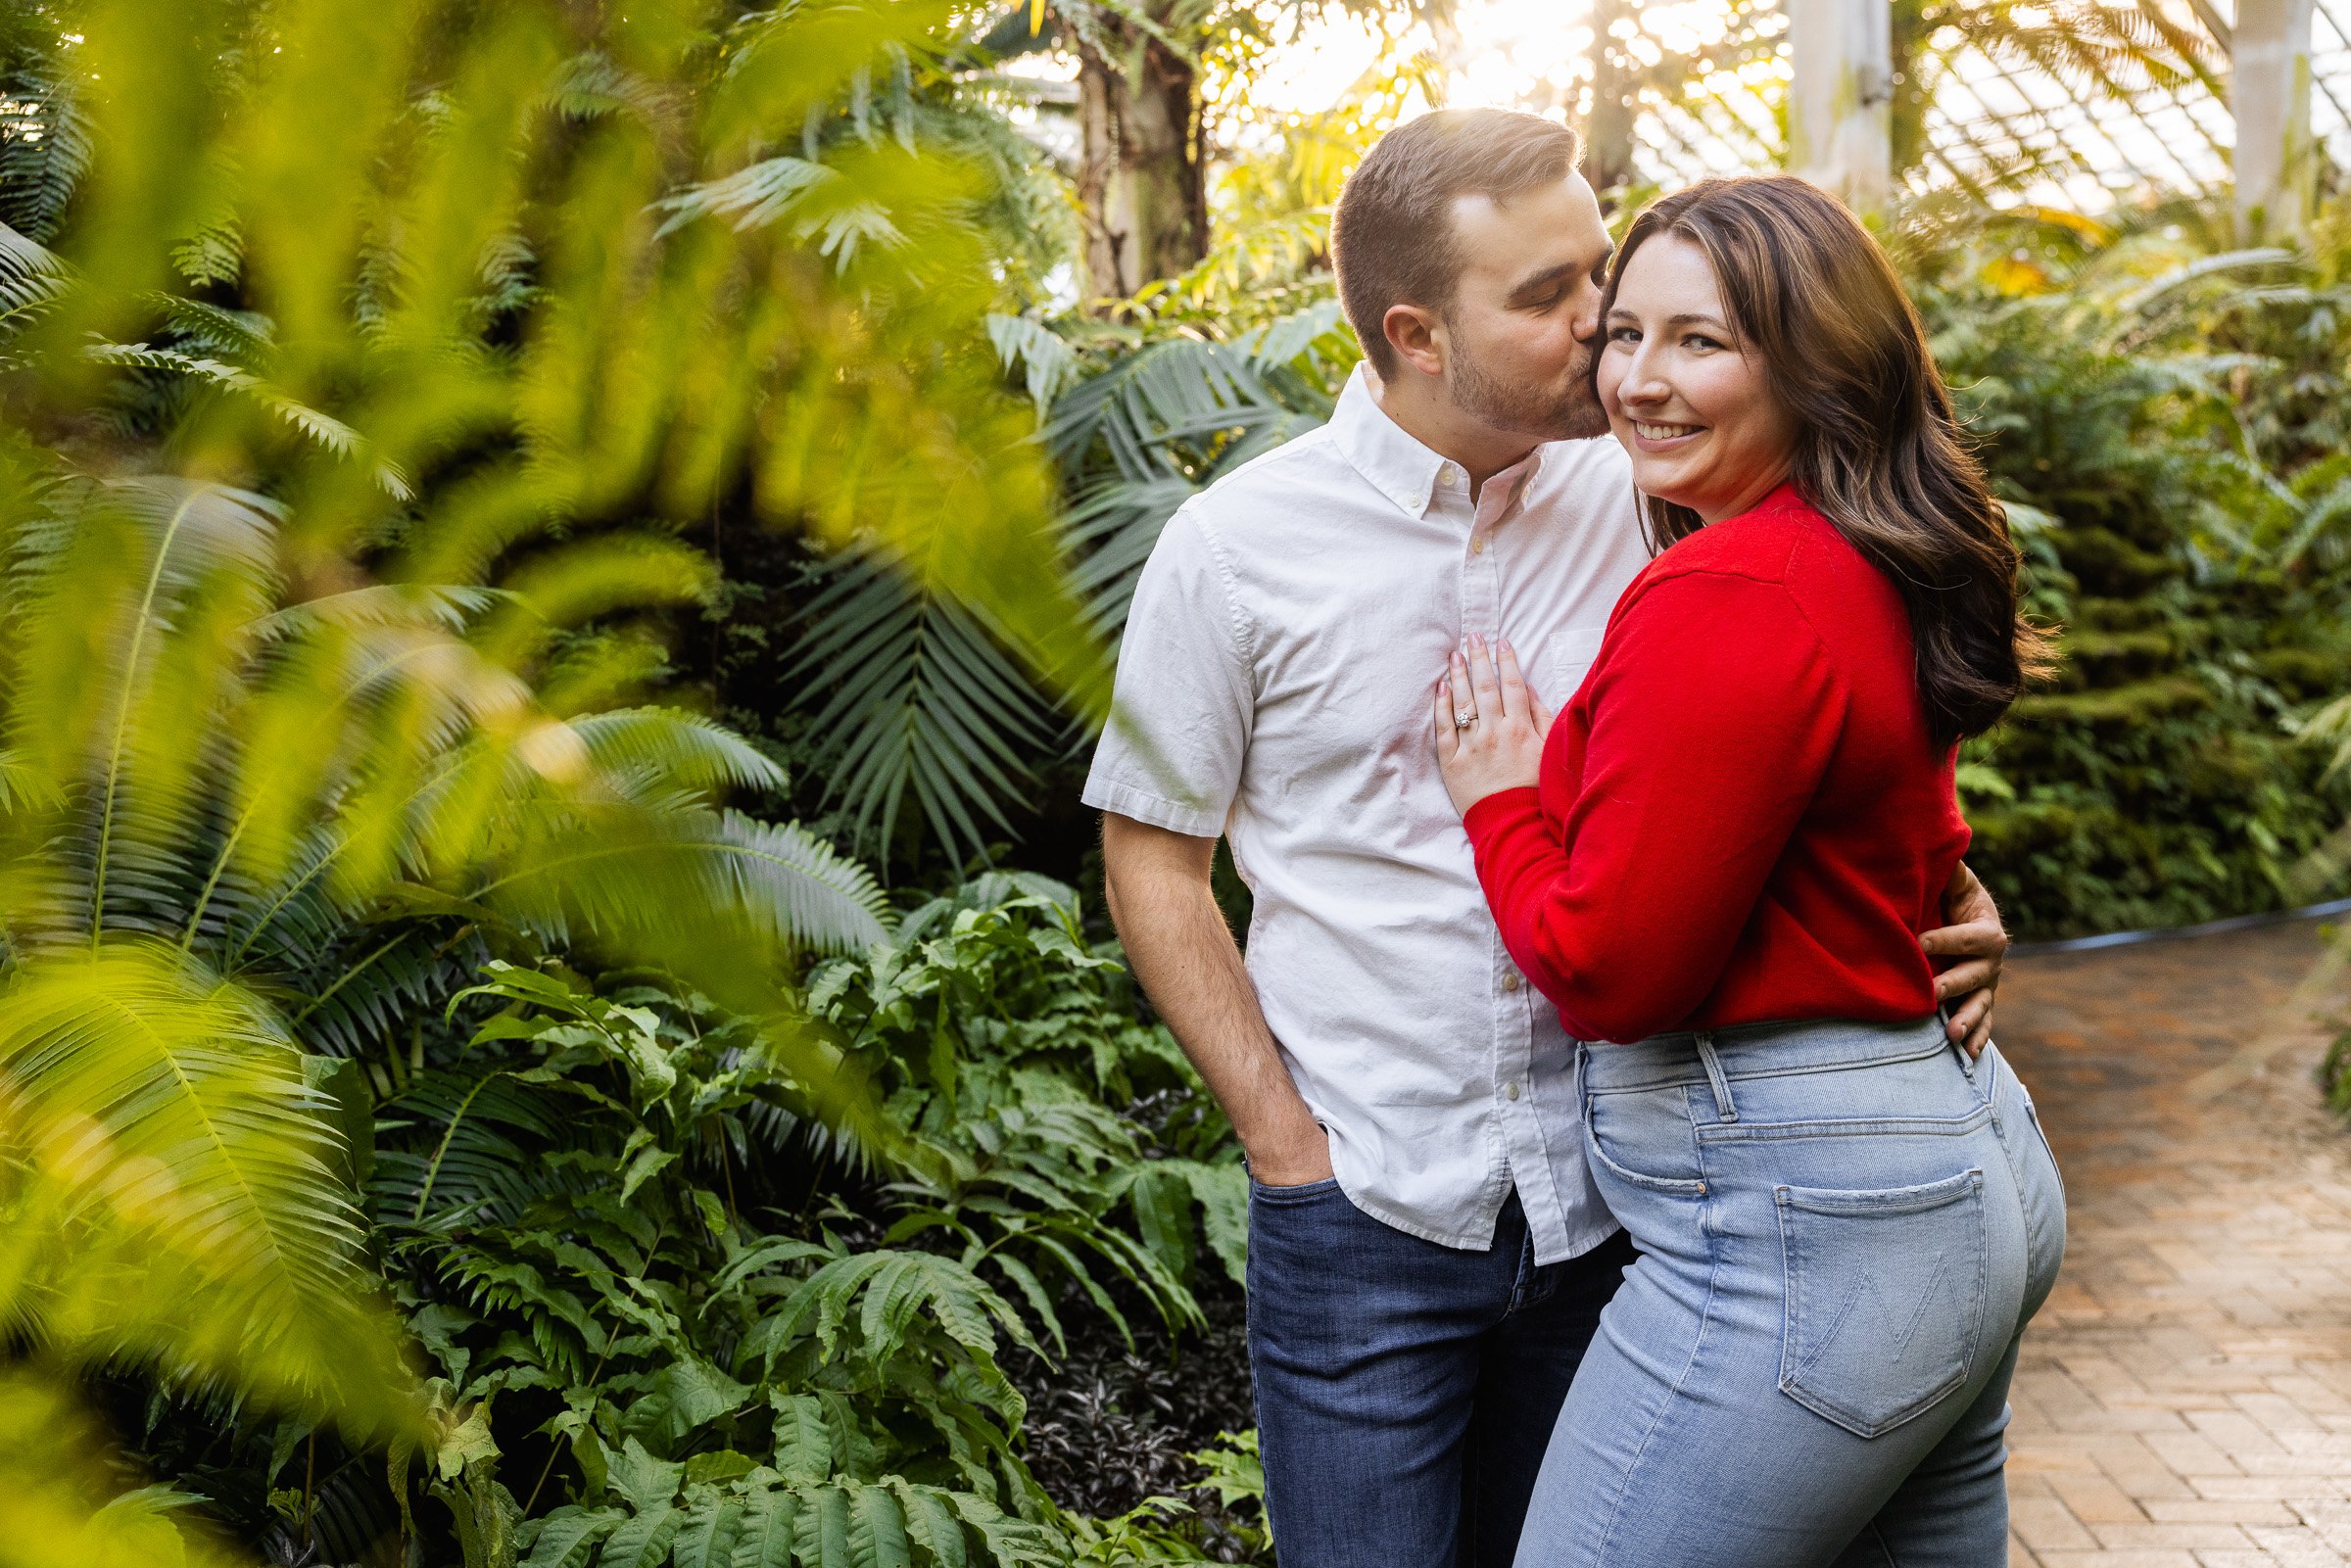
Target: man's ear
[(1418, 336)]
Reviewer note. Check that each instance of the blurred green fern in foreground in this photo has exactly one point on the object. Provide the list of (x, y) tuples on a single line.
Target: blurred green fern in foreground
[(360, 361)]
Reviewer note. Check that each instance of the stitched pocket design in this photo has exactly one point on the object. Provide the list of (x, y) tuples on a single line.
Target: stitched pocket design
[(1884, 1308), (1650, 1125)]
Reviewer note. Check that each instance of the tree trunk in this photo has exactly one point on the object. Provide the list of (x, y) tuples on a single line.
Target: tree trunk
[(1609, 128), (1142, 184)]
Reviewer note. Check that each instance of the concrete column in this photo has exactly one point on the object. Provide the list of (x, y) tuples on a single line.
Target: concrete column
[(1839, 107), (2269, 92)]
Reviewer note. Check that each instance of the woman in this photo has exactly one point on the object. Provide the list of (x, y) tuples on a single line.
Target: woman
[(1724, 852)]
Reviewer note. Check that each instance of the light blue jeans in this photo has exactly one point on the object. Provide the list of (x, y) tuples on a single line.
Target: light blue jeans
[(1843, 1230)]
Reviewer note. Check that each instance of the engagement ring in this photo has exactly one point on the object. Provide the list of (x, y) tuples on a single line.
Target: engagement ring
[(1463, 718)]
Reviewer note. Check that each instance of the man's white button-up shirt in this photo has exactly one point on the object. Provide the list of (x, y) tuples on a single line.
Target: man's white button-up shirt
[(1275, 687)]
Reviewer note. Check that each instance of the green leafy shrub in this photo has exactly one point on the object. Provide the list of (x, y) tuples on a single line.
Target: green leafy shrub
[(2153, 428), (672, 1315)]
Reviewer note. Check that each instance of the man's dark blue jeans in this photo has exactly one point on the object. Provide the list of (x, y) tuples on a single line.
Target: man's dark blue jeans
[(1406, 1391)]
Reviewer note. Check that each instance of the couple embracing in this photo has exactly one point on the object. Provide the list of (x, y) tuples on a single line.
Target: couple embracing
[(1633, 1182)]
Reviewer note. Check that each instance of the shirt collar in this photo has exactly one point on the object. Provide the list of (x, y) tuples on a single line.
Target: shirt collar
[(1393, 460), (1396, 463)]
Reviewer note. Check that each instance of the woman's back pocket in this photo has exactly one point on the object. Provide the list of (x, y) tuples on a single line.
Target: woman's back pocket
[(1884, 1297)]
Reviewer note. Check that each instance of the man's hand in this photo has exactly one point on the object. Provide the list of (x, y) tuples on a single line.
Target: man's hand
[(1490, 725), (1976, 938), (1296, 1158)]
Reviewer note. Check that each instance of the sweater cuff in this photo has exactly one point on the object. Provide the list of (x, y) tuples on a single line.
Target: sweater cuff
[(1498, 811)]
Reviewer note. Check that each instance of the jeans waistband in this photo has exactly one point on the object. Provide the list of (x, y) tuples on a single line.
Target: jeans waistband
[(1758, 1051)]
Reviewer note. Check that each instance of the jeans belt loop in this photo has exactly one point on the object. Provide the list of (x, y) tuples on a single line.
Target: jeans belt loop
[(1967, 1063), (1724, 1104)]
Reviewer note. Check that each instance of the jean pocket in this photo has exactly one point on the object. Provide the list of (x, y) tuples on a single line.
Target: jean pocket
[(1649, 1126), (1304, 1192), (1884, 1305)]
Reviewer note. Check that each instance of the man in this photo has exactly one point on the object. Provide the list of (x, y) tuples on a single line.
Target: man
[(1428, 1257)]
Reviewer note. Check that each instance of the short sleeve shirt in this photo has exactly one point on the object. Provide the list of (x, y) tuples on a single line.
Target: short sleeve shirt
[(1274, 688)]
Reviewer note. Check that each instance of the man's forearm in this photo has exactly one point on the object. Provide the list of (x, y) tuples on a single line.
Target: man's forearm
[(1186, 962)]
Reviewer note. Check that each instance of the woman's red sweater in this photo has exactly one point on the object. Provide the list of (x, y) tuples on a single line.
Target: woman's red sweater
[(1740, 816)]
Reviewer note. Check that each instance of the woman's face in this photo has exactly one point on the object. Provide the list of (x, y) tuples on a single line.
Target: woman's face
[(1690, 405)]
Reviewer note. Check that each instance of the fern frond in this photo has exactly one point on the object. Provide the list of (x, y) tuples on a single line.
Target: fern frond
[(676, 879), (679, 749), (161, 1120)]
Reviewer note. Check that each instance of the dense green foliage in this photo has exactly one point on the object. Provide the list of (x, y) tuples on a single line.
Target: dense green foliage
[(2172, 422), (696, 1313)]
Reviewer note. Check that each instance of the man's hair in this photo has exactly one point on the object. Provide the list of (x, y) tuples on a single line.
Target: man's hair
[(1392, 240)]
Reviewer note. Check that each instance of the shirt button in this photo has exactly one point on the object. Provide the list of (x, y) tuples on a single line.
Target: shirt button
[(1477, 546), (1510, 1090), (1511, 981), (1450, 473)]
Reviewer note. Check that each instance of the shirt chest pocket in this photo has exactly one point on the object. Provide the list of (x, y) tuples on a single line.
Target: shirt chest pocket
[(1566, 663)]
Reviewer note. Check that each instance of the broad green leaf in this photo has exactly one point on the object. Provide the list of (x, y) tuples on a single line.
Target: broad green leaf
[(645, 1482), (566, 1535), (804, 1440), (931, 1522), (643, 1540), (769, 1530), (706, 1539), (824, 1525), (878, 1529)]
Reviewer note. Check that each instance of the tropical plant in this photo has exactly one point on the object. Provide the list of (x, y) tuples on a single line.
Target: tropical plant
[(1010, 1049), (2097, 53), (343, 465), (559, 1202), (685, 1317), (2160, 430)]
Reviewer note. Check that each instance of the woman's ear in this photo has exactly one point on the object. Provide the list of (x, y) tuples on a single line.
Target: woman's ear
[(1418, 336)]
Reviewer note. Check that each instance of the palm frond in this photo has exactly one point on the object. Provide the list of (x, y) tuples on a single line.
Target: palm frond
[(324, 428), (1045, 363), (909, 694)]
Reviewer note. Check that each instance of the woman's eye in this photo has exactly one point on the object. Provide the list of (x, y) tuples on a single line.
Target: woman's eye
[(1624, 334), (1699, 340)]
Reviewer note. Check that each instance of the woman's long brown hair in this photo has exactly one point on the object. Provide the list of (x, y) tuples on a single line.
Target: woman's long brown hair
[(1878, 450)]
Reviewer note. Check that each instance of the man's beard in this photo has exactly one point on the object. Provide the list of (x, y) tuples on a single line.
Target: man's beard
[(1523, 410)]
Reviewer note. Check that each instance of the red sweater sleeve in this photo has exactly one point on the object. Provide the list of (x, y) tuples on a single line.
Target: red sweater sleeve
[(1710, 718)]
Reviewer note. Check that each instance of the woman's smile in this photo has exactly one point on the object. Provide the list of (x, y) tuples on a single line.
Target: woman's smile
[(1654, 436)]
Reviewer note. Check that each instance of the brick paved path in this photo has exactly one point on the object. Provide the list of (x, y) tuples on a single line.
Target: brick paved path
[(2185, 1399)]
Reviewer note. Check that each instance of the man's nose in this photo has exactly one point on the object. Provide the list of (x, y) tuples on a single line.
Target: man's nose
[(1586, 325)]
